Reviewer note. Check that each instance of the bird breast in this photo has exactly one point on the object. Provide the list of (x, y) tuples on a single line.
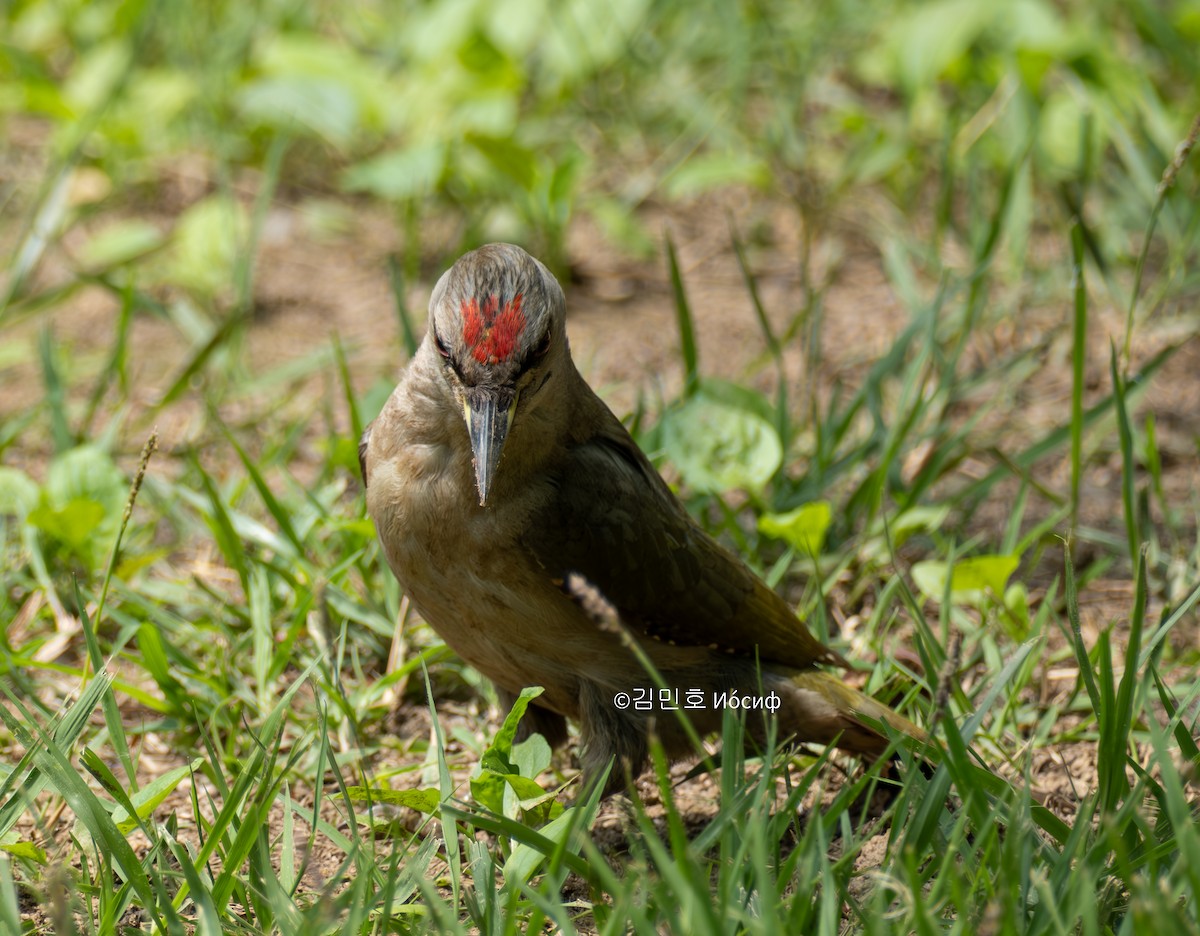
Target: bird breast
[(465, 567), (461, 564)]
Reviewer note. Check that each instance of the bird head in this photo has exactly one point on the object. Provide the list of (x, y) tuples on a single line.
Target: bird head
[(496, 319)]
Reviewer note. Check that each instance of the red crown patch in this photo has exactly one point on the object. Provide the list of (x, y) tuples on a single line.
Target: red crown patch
[(491, 332)]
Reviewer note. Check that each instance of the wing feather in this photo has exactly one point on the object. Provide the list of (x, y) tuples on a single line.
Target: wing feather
[(614, 521)]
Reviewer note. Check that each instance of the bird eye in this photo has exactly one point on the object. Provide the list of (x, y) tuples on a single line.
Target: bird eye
[(442, 350), (541, 349)]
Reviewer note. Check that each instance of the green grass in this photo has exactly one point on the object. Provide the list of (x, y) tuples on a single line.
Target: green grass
[(196, 732)]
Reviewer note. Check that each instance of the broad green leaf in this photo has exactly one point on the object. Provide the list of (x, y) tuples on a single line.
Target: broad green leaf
[(120, 243), (206, 245), (532, 755), (81, 502), (496, 765), (96, 73), (151, 101), (973, 579), (86, 472), (1060, 137), (932, 36), (319, 106), (487, 789), (400, 174), (580, 36), (1035, 25), (1016, 600), (803, 528), (513, 161), (715, 170), (515, 26), (529, 801), (527, 789), (25, 850), (74, 523), (739, 397), (18, 492), (424, 801), (497, 756), (718, 447), (918, 520), (328, 87)]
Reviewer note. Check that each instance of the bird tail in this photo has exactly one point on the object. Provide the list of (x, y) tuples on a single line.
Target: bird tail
[(817, 706)]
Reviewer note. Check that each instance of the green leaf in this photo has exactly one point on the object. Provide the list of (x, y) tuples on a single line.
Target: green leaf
[(82, 502), (497, 769), (400, 174), (319, 106), (72, 524), (716, 170), (207, 244), (972, 581), (158, 665), (579, 36), (918, 520), (120, 243), (86, 472), (18, 492), (149, 797), (424, 801), (532, 756), (487, 789), (1066, 122), (739, 397), (718, 447), (1016, 600), (152, 99), (27, 851), (497, 756), (928, 39), (526, 859), (97, 73), (510, 159), (318, 84), (535, 805), (803, 528)]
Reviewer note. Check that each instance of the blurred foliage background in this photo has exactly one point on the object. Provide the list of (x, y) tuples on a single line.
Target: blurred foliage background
[(512, 117)]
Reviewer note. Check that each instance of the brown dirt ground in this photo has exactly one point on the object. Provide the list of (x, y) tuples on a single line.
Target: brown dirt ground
[(310, 287)]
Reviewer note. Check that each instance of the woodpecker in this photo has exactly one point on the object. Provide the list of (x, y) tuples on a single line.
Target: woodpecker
[(495, 476)]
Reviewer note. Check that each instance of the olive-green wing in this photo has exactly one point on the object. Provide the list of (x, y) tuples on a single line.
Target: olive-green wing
[(615, 522)]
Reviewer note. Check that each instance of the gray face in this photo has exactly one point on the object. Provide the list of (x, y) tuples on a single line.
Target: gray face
[(494, 316)]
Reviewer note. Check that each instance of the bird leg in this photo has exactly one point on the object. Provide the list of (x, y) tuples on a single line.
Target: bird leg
[(609, 734)]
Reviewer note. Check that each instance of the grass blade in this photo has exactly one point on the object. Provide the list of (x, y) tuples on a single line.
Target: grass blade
[(1170, 174), (1078, 359), (1128, 468), (683, 315), (397, 283)]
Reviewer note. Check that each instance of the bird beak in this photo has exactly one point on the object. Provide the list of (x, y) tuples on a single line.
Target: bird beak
[(488, 421)]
